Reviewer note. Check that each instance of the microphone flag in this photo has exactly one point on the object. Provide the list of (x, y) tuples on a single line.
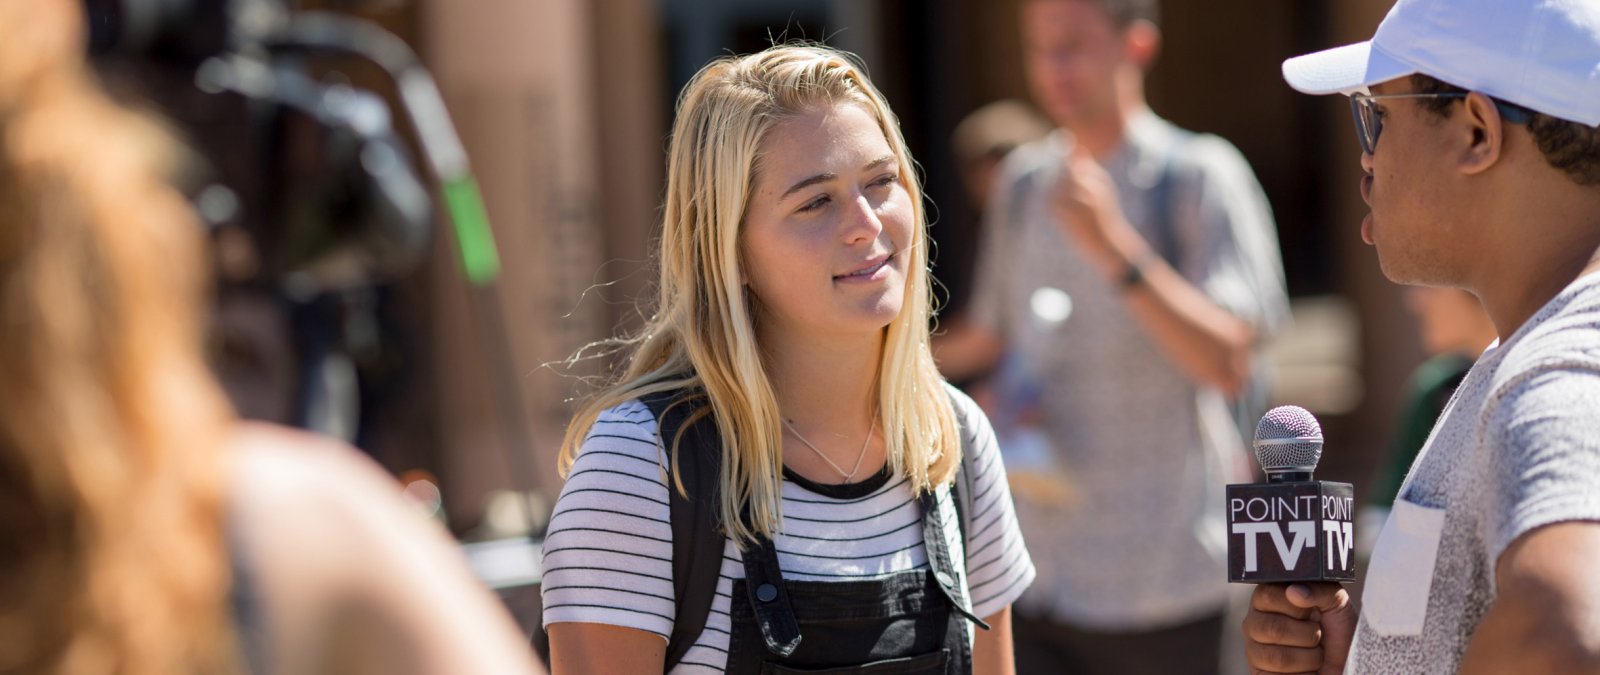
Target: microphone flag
[(1290, 528)]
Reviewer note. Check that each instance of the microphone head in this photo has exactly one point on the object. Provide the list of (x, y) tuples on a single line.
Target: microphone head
[(1288, 439)]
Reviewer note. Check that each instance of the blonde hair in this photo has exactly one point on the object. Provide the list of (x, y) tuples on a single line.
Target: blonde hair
[(110, 427), (703, 335)]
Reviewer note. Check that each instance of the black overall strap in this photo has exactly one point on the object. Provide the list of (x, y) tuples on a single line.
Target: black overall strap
[(769, 598), (697, 542), (943, 567)]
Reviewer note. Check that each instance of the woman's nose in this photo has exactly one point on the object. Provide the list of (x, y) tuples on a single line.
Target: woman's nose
[(862, 221)]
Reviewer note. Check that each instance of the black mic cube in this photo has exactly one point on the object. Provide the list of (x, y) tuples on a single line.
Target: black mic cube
[(1291, 532)]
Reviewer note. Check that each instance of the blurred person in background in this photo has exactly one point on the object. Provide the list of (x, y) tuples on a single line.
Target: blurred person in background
[(1133, 267), (979, 144), (792, 335), (983, 139), (1453, 330), (144, 529), (1479, 129), (1006, 391)]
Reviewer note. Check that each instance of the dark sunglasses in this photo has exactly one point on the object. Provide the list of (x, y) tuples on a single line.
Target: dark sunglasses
[(1369, 120)]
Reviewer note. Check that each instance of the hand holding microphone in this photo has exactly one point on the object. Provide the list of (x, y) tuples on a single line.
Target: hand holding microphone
[(1294, 536)]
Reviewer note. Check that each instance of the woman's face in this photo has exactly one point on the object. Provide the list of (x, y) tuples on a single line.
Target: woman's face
[(827, 232)]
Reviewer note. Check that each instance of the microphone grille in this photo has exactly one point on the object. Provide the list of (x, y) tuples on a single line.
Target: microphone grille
[(1288, 439)]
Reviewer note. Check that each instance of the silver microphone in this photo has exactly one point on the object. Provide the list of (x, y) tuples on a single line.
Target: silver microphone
[(1288, 444)]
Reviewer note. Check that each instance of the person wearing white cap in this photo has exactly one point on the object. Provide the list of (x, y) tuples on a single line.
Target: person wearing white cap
[(1477, 121)]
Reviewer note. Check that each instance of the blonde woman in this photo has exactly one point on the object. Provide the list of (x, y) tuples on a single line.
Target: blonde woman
[(790, 343), (143, 529)]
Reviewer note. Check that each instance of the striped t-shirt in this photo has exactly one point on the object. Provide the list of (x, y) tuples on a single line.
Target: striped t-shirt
[(608, 550)]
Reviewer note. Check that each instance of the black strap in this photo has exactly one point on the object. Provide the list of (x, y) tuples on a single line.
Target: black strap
[(963, 490), (249, 616), (1164, 220), (697, 542), (769, 598), (1246, 406), (944, 569)]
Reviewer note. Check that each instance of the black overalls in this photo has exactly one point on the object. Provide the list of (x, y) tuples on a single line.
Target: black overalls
[(906, 623)]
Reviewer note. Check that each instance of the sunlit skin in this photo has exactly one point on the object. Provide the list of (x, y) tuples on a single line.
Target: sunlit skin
[(827, 228), (1415, 201), (825, 249)]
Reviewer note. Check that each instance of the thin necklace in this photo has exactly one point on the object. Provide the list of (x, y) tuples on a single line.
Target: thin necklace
[(861, 456)]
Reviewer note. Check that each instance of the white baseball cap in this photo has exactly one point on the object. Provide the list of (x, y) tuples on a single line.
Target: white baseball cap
[(1540, 54)]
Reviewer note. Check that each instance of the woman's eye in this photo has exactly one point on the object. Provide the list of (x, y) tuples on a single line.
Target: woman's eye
[(886, 179), (814, 204)]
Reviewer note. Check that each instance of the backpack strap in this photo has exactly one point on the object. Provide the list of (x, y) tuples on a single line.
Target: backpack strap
[(963, 490), (962, 493), (1247, 406), (697, 541), (1167, 240)]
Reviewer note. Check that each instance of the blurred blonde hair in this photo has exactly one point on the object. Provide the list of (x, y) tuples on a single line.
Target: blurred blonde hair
[(703, 334), (110, 509)]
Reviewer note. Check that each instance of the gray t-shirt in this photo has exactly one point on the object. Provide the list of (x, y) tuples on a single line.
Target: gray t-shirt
[(1138, 540), (1517, 449)]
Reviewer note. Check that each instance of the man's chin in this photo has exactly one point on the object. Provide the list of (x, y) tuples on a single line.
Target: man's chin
[(1393, 270), (1408, 272)]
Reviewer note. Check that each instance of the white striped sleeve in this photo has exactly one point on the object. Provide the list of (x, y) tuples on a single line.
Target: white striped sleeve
[(998, 565), (608, 550)]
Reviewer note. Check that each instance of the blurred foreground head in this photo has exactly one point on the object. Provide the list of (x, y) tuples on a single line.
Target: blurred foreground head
[(110, 519), (131, 501)]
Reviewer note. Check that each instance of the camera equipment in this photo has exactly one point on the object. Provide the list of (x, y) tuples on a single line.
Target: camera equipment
[(337, 182), (310, 192)]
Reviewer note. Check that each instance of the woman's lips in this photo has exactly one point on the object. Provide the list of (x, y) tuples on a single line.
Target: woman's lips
[(872, 271)]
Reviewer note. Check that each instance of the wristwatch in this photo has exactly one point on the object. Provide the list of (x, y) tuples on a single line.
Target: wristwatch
[(1133, 275)]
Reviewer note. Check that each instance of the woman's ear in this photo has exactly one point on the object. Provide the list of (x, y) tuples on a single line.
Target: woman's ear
[(1484, 131)]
